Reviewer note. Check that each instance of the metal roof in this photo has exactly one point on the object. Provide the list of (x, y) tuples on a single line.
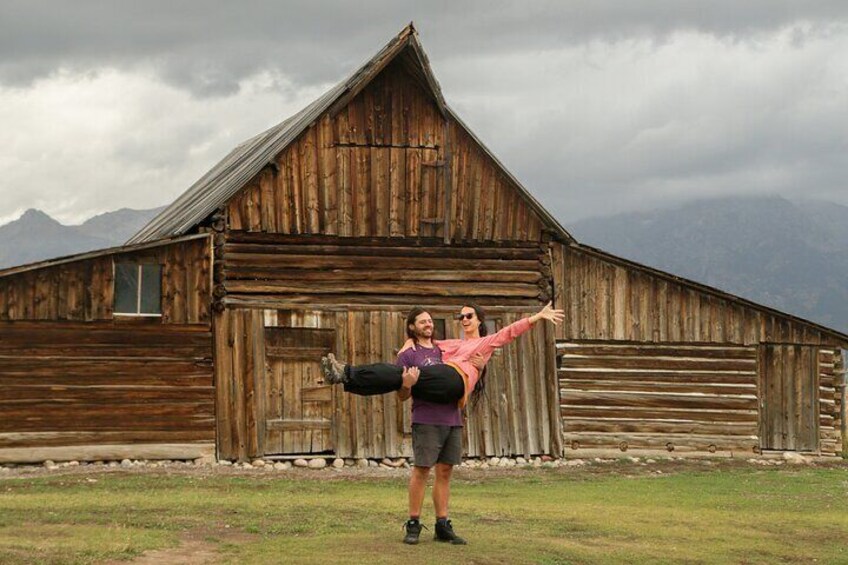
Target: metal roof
[(244, 162)]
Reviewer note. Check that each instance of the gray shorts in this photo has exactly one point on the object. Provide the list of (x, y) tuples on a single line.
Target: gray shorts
[(433, 444)]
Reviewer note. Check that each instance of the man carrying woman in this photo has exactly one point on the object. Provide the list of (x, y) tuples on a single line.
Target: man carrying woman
[(452, 381), (440, 376)]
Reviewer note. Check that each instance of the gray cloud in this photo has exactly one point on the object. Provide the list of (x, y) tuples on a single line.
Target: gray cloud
[(597, 107), (209, 48)]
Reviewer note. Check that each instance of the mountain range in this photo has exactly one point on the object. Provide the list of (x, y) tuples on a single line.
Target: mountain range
[(35, 236), (792, 256)]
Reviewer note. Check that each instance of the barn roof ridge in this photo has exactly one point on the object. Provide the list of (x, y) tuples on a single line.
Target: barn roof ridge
[(247, 159)]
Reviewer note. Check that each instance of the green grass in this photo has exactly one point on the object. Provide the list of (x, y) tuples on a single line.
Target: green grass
[(729, 513)]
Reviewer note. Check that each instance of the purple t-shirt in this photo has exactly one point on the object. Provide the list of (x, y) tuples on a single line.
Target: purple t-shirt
[(424, 412)]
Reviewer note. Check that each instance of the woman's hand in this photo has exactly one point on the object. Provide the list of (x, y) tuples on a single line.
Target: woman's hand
[(548, 313), (408, 344)]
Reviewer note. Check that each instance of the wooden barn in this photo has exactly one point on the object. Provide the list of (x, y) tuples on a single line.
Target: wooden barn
[(203, 333)]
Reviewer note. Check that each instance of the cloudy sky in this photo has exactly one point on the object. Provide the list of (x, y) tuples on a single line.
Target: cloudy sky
[(598, 107)]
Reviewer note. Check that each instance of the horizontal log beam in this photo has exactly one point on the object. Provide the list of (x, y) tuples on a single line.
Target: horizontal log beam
[(53, 394), (384, 289), (280, 425), (659, 363), (240, 236), (653, 400), (648, 441), (668, 376), (308, 262), (345, 301), (659, 427), (501, 253), (421, 277), (57, 439), (127, 326), (618, 351), (108, 452), (630, 412), (651, 386)]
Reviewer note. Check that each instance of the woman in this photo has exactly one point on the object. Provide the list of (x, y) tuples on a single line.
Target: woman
[(450, 382)]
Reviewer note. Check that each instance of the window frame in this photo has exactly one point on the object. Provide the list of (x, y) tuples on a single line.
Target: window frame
[(139, 291)]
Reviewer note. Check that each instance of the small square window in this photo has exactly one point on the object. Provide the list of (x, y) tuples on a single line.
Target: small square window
[(138, 289)]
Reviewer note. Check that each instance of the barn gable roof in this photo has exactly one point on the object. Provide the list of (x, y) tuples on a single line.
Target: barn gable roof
[(244, 162)]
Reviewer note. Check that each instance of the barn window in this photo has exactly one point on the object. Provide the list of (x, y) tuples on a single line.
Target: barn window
[(439, 329), (138, 289)]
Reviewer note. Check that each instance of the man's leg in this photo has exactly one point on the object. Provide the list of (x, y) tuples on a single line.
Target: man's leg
[(417, 485), (450, 455), (425, 450), (441, 489)]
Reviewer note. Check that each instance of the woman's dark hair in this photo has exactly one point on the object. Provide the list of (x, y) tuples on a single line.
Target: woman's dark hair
[(479, 390), (410, 321)]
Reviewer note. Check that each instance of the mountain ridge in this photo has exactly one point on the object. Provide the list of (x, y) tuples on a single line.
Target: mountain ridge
[(35, 236), (788, 255)]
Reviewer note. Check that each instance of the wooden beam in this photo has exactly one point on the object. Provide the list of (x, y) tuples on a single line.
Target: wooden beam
[(107, 452)]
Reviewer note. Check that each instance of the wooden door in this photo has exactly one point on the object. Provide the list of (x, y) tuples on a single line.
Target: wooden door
[(297, 407), (789, 397)]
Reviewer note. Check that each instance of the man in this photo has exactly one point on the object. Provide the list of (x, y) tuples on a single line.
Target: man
[(436, 433)]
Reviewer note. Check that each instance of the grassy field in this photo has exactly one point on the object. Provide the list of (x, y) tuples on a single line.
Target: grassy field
[(604, 513)]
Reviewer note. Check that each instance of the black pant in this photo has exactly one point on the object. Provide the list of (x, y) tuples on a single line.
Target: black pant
[(437, 383)]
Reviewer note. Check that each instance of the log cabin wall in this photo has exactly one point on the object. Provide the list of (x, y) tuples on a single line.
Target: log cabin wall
[(378, 167), (98, 390), (82, 383), (256, 416), (275, 270), (672, 398), (84, 290)]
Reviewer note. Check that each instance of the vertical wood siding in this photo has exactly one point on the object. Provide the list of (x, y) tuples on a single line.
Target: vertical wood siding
[(789, 397), (517, 416), (605, 300), (84, 290), (377, 167)]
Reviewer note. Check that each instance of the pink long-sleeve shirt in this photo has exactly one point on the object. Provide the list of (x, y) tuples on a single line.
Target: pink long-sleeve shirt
[(458, 352)]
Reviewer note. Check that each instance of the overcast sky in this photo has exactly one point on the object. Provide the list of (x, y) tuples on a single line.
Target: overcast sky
[(597, 107)]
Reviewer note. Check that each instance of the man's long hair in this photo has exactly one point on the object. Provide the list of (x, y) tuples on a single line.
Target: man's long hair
[(410, 321)]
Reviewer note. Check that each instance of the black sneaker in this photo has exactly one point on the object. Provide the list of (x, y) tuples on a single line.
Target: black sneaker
[(444, 532), (413, 531)]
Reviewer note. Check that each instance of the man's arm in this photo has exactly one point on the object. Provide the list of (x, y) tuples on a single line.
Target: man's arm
[(404, 359)]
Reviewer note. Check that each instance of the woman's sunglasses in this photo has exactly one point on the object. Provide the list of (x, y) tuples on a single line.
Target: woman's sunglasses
[(468, 316)]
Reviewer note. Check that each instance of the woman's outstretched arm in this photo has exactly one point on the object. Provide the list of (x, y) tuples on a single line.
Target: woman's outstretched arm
[(512, 331)]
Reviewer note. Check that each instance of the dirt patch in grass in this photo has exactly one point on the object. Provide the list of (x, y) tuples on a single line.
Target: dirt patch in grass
[(196, 546)]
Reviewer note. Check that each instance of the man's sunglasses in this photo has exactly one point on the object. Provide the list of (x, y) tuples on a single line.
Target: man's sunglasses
[(468, 316)]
